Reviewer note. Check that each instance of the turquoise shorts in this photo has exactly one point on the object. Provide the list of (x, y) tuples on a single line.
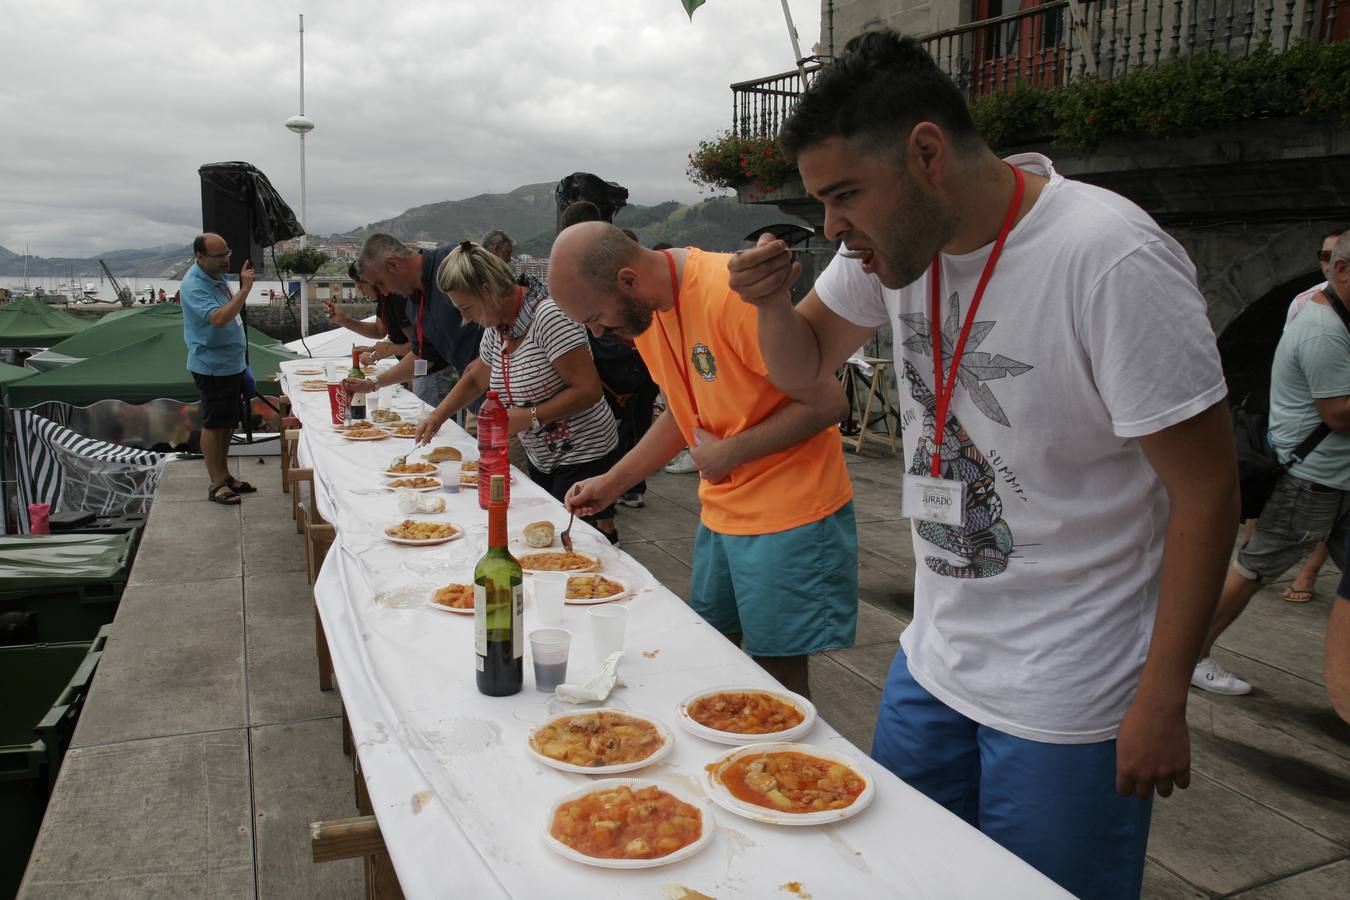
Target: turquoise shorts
[(789, 593)]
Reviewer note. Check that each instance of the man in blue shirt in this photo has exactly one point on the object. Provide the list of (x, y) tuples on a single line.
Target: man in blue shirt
[(437, 332), (214, 336)]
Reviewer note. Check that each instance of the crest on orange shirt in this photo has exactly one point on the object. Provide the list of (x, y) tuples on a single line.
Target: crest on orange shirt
[(705, 364)]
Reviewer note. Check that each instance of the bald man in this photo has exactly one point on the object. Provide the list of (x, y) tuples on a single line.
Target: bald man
[(214, 336), (776, 556)]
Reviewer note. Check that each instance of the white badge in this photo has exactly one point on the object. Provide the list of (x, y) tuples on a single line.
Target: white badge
[(420, 367), (937, 500)]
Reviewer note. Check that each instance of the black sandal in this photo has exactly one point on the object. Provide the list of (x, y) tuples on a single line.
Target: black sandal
[(242, 487), (229, 497)]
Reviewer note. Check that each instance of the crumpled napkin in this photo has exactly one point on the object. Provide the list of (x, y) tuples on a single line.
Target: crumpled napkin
[(598, 687), (419, 502)]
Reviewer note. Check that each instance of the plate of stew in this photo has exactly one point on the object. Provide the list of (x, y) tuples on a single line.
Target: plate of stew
[(628, 823), (740, 715), (788, 784)]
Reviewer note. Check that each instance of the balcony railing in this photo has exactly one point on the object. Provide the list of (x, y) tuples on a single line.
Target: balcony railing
[(1059, 40), (760, 106), (1051, 43)]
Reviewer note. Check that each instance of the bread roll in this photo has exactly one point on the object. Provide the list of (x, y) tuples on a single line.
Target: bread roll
[(443, 454), (539, 534)]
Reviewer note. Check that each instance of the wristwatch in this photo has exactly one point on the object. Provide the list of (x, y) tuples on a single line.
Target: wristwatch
[(375, 380), (535, 424)]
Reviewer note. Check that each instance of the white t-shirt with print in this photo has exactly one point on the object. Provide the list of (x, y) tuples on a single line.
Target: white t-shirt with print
[(1034, 617)]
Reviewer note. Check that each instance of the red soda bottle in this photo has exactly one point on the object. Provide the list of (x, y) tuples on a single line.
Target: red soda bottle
[(493, 432)]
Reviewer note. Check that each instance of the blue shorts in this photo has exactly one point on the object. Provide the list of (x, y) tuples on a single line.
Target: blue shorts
[(789, 593), (1053, 805)]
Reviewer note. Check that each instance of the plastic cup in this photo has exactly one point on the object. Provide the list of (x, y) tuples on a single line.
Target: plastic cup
[(449, 472), (549, 648), (608, 624), (337, 402), (550, 591)]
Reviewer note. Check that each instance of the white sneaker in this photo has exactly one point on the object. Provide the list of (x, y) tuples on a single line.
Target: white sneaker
[(1212, 677), (682, 464)]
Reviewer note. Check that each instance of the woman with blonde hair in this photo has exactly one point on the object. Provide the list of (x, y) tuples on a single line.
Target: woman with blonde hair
[(539, 363)]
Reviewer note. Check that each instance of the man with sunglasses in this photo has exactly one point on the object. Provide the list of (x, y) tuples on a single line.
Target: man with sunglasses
[(214, 335), (1323, 260)]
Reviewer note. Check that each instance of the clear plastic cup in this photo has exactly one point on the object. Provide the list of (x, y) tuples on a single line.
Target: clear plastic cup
[(549, 648), (608, 624), (550, 592), (449, 472)]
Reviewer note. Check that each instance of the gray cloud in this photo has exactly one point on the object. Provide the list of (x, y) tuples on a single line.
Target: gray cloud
[(117, 104)]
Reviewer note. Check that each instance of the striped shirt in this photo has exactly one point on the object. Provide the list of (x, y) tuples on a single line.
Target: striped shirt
[(526, 377)]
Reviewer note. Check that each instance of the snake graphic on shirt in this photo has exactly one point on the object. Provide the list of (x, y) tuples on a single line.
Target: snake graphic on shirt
[(983, 543)]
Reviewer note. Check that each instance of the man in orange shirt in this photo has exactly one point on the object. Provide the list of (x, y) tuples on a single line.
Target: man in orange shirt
[(776, 556)]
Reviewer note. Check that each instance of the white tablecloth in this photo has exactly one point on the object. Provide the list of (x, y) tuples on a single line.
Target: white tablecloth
[(461, 805)]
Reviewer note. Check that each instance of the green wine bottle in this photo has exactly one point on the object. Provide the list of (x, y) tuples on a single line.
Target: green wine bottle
[(498, 606)]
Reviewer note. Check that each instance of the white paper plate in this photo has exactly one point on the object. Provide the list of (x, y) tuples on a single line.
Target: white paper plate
[(447, 609), (736, 740), (667, 743), (594, 565), (388, 474), (307, 371), (623, 592), (723, 797), (427, 542), (401, 437), (704, 838), (374, 436), (423, 490)]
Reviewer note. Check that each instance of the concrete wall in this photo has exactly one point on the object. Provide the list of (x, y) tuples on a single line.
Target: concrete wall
[(284, 324), (916, 17)]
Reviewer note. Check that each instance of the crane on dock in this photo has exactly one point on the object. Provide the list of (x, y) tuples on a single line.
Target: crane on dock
[(123, 292)]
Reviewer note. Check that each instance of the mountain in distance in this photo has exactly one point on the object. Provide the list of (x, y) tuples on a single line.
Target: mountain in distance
[(165, 261), (526, 213)]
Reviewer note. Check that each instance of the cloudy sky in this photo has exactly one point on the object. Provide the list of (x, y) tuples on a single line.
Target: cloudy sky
[(108, 108)]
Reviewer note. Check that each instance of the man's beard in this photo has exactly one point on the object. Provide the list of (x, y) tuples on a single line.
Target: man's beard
[(636, 317), (908, 242)]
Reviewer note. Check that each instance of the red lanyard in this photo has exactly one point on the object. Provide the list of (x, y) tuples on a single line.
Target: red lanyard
[(421, 304), (680, 362), (504, 336), (944, 397)]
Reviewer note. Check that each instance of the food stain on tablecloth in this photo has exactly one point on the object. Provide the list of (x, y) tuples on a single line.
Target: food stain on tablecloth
[(420, 800)]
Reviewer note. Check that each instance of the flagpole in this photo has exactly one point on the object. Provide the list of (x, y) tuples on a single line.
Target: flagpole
[(796, 48)]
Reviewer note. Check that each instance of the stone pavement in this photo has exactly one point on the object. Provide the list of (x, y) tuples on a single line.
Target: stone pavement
[(205, 748), (1267, 814)]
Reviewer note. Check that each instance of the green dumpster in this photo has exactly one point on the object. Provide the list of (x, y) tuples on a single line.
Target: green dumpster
[(71, 583), (42, 688)]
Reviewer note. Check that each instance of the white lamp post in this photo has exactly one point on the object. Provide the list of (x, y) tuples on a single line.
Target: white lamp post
[(302, 126)]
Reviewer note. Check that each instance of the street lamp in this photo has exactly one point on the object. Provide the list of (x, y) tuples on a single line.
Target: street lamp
[(302, 125)]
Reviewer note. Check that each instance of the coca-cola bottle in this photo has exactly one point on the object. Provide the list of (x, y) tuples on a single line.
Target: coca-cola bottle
[(493, 432)]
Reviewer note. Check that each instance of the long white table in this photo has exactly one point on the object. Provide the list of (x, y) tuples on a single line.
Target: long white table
[(461, 805)]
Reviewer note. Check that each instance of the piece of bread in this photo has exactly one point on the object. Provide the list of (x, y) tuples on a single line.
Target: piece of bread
[(443, 454), (539, 534)]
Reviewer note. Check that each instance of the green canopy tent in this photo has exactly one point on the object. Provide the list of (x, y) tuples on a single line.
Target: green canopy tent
[(29, 323), (112, 334), (152, 368)]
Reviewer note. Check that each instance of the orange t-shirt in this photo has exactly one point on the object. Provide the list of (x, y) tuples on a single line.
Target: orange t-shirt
[(728, 382)]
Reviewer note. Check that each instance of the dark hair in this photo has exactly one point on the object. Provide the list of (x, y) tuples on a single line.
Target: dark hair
[(662, 245), (580, 211), (355, 274), (878, 89), (199, 244), (1337, 232)]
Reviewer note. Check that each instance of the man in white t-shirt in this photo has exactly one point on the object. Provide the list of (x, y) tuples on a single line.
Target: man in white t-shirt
[(1074, 503)]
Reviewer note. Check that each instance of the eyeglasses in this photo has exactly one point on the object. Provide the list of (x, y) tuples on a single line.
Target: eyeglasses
[(224, 255), (1324, 255)]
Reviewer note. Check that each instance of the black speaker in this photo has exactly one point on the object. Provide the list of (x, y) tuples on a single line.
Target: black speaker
[(240, 205), (227, 209)]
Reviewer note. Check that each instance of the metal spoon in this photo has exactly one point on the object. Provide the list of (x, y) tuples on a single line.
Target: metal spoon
[(566, 536)]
